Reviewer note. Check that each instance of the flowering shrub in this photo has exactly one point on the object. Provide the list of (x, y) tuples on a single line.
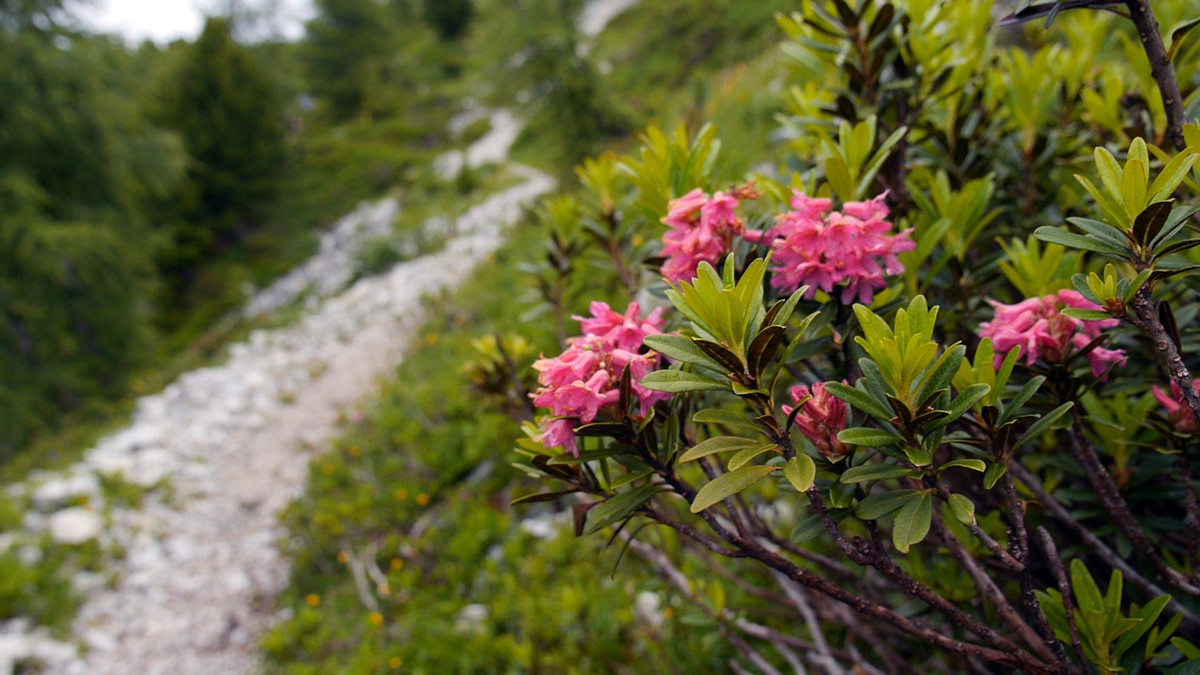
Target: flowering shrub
[(577, 384), (702, 230), (955, 482), (820, 248), (1042, 331)]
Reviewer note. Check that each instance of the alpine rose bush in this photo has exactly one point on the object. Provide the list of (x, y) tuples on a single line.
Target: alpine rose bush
[(585, 378), (702, 230), (1042, 331), (821, 248)]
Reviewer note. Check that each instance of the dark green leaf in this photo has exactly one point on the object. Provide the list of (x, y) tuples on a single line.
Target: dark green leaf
[(727, 359), (677, 381), (868, 472), (764, 347), (1072, 240), (618, 507), (743, 457), (871, 438), (881, 504), (541, 497), (994, 473), (912, 522), (1086, 314), (972, 464), (717, 416), (859, 399), (678, 348), (728, 484), (1043, 424), (717, 444), (1150, 221)]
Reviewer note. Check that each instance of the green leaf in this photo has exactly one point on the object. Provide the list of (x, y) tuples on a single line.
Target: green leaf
[(994, 473), (679, 348), (718, 416), (717, 444), (742, 458), (1110, 172), (859, 399), (839, 178), (960, 405), (962, 508), (972, 464), (871, 438), (729, 484), (678, 381), (919, 456), (618, 507), (912, 522), (1172, 174), (1150, 222), (800, 471), (1086, 314), (1148, 615), (1072, 240), (869, 472), (541, 497), (1043, 423), (1087, 593), (882, 503)]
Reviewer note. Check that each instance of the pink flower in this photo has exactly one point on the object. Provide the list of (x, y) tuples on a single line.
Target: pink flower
[(1178, 413), (579, 384), (1041, 330), (702, 230), (821, 249), (820, 418)]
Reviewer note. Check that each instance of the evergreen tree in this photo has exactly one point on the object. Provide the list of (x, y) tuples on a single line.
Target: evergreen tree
[(233, 126), (347, 54), (76, 254), (449, 18)]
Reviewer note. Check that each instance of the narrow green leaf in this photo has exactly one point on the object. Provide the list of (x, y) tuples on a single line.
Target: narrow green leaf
[(1172, 174), (972, 464), (717, 416), (678, 381), (859, 399), (1150, 222), (839, 178), (912, 522), (1086, 314), (729, 484), (717, 444), (1109, 171), (881, 504), (618, 507), (1087, 593), (1044, 423), (919, 456), (800, 471), (1072, 240), (961, 404), (869, 472), (743, 457), (871, 438), (679, 348)]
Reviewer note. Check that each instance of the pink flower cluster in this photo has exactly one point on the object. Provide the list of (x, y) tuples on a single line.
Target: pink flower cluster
[(702, 230), (585, 378), (821, 248), (820, 418), (1178, 413), (1039, 327)]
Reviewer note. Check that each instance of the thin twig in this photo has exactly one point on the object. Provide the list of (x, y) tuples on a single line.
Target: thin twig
[(795, 595), (1117, 509), (1160, 67), (1097, 545), (1064, 587), (1145, 316)]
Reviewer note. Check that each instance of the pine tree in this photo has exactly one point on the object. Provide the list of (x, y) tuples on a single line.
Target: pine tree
[(232, 121), (347, 52)]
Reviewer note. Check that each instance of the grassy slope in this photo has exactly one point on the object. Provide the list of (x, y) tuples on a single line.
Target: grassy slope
[(399, 470)]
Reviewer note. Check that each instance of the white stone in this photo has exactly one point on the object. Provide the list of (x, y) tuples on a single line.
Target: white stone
[(470, 619), (58, 491), (75, 525)]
